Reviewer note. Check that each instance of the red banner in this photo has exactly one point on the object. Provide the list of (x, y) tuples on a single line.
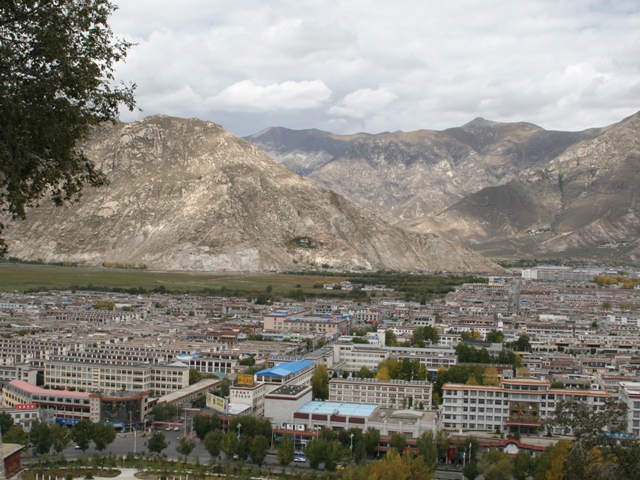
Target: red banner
[(26, 406)]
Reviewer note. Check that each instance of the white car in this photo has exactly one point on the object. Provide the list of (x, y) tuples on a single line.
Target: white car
[(299, 459)]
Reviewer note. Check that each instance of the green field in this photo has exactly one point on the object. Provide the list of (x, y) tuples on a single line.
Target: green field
[(21, 277)]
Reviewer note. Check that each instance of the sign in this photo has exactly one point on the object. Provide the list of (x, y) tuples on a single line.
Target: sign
[(245, 379), (216, 403), (66, 421), (26, 406)]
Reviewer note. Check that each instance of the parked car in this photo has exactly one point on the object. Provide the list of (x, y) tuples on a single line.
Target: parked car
[(300, 459)]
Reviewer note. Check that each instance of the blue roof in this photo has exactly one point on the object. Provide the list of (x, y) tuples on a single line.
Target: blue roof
[(348, 409), (284, 369)]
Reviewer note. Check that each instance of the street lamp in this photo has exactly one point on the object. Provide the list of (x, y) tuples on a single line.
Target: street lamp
[(239, 426), (351, 435)]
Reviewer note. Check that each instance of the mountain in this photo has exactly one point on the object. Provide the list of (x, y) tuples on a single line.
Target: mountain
[(186, 194), (498, 185), (302, 151), (584, 198)]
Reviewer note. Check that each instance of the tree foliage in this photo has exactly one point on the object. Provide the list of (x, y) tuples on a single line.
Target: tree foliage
[(6, 422), (185, 447), (40, 436), (285, 451), (102, 435), (82, 434), (320, 383), (259, 448), (157, 442), (596, 452), (56, 83), (212, 442)]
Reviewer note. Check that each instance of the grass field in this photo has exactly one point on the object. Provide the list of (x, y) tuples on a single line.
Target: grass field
[(19, 277)]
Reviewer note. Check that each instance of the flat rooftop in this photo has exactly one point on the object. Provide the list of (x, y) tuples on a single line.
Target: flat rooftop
[(292, 390), (339, 408)]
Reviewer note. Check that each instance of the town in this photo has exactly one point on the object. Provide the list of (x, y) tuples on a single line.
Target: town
[(490, 361)]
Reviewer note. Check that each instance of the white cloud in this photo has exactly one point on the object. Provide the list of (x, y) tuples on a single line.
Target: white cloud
[(374, 64), (247, 96), (364, 102)]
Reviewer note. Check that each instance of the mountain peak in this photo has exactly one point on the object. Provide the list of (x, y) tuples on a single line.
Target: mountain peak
[(479, 122)]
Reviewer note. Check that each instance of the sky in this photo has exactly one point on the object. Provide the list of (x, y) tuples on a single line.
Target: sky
[(348, 66)]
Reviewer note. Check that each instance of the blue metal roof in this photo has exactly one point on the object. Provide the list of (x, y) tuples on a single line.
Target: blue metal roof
[(284, 369), (346, 409)]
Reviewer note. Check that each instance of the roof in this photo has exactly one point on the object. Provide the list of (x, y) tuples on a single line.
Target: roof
[(339, 408), (30, 388), (284, 369)]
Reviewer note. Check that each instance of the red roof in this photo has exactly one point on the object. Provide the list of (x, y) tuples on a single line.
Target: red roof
[(30, 388)]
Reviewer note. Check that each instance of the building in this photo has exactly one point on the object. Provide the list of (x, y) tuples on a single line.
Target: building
[(305, 322), (386, 393), (515, 406), (158, 380), (122, 409), (630, 395)]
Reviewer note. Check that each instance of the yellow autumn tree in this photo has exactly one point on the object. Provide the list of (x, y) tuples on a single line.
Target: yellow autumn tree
[(491, 377)]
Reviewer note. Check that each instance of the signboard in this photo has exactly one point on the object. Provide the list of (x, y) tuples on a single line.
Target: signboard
[(216, 403), (66, 421), (245, 379), (26, 406)]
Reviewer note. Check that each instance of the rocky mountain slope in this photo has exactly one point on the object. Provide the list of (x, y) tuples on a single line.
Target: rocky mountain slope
[(185, 194), (490, 182)]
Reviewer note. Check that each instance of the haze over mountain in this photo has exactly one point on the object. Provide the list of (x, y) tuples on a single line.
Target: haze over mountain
[(186, 194), (547, 192)]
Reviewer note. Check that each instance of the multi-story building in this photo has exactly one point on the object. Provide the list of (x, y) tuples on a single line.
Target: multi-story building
[(356, 355), (630, 395), (386, 393), (121, 409), (515, 406), (93, 377), (304, 322)]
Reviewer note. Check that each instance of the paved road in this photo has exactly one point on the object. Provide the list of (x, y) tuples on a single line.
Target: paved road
[(123, 445)]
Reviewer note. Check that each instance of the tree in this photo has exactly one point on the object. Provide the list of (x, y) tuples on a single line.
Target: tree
[(495, 336), (82, 434), (522, 344), (6, 422), (390, 339), (259, 448), (157, 442), (194, 376), (427, 448), (371, 439), (56, 82), (522, 465), (360, 453), (224, 388), (203, 425), (59, 437), (442, 443), (315, 452), (102, 435), (398, 441), (495, 465), (285, 452), (229, 444), (491, 377), (320, 383), (16, 435), (41, 439), (185, 447), (523, 372), (596, 452), (212, 442)]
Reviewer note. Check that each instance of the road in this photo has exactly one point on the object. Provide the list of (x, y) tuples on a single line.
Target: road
[(123, 445)]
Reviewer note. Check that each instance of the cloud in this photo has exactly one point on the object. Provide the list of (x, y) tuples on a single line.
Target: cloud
[(364, 102), (247, 96), (374, 64)]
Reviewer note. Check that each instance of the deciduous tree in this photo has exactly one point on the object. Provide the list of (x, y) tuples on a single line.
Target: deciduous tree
[(56, 82)]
